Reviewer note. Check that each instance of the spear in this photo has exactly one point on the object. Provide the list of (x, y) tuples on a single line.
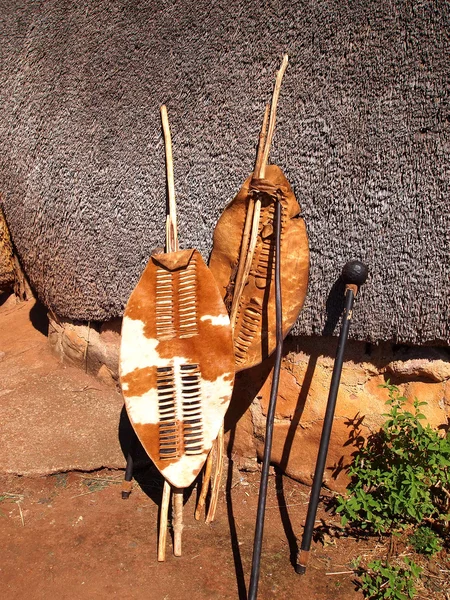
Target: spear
[(259, 528)]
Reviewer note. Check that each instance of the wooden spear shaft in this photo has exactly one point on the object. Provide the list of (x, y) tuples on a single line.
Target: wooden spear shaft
[(254, 209), (250, 219), (273, 116), (240, 278), (261, 143)]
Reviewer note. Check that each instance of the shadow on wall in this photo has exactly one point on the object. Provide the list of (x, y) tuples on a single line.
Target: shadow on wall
[(249, 382), (38, 313), (356, 439), (4, 297), (39, 318)]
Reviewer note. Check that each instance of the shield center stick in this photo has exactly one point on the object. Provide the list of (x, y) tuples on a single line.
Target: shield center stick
[(171, 246)]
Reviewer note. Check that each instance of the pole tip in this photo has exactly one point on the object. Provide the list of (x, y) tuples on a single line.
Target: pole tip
[(302, 561), (355, 273), (126, 489)]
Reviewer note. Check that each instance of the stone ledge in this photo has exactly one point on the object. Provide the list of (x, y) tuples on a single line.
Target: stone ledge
[(304, 385), (91, 347)]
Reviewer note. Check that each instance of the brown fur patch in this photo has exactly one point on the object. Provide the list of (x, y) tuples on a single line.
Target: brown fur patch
[(211, 347), (139, 381)]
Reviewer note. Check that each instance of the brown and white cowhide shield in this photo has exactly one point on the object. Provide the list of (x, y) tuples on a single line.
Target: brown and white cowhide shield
[(254, 331), (176, 363)]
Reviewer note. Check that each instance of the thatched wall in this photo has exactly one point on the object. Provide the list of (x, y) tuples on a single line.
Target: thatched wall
[(363, 136)]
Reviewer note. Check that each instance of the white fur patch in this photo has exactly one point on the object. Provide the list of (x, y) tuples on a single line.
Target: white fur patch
[(223, 320), (215, 397), (137, 351), (143, 409)]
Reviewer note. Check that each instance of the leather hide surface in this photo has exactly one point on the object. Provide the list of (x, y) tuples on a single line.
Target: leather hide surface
[(254, 332), (176, 363)]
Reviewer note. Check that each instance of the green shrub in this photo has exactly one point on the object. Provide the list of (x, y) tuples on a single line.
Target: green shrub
[(401, 476), (425, 541), (383, 580)]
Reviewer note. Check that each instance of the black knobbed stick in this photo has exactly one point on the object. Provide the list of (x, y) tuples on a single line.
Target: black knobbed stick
[(354, 274), (257, 544)]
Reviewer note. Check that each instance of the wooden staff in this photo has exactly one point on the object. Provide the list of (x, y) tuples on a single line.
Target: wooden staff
[(354, 274), (273, 116), (171, 246), (241, 276), (250, 220), (254, 209)]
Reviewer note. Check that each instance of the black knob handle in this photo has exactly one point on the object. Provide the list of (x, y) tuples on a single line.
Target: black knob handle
[(354, 273)]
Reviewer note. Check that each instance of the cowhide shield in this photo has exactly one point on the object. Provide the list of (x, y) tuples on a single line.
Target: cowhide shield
[(254, 331), (176, 363)]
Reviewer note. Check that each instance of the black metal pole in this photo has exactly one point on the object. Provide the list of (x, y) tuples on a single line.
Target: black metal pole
[(126, 485), (257, 544), (354, 274)]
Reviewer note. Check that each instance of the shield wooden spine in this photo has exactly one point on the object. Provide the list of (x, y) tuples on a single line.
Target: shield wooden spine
[(254, 332), (176, 364)]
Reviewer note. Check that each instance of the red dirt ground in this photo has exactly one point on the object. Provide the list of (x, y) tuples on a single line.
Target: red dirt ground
[(70, 535)]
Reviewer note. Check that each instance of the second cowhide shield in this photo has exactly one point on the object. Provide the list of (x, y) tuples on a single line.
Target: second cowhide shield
[(254, 330), (176, 363)]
